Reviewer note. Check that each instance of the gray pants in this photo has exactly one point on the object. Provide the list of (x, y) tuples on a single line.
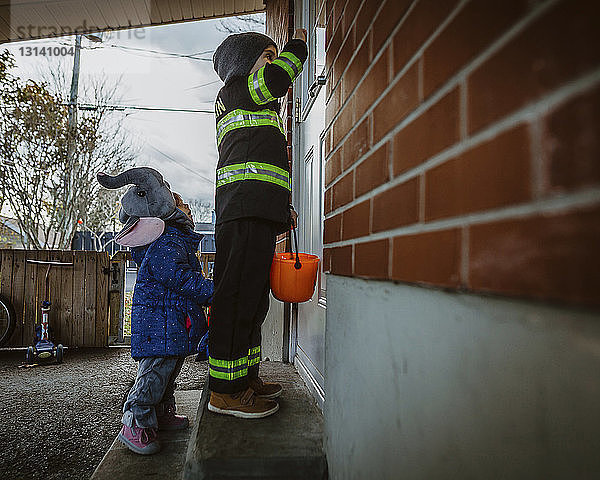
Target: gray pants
[(153, 389)]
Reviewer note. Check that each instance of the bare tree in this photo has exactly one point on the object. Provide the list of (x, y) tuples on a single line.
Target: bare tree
[(6, 63), (201, 211), (102, 217), (47, 188)]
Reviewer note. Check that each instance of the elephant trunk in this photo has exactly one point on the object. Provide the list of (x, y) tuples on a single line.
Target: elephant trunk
[(118, 181)]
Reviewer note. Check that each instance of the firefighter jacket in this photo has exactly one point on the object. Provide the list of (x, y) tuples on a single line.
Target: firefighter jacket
[(253, 177)]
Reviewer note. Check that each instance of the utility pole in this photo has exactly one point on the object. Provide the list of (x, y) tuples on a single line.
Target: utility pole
[(74, 84), (71, 132), (72, 123)]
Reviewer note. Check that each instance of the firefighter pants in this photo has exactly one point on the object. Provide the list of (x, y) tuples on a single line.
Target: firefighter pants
[(244, 253)]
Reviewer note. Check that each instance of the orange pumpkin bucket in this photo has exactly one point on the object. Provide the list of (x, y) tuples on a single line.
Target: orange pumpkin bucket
[(293, 277)]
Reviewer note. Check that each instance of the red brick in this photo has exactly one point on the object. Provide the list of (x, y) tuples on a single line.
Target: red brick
[(328, 146), (547, 257), (327, 200), (420, 23), (365, 16), (386, 21), (338, 9), (356, 70), (352, 9), (375, 82), (460, 41), (356, 221), (371, 259), (357, 144), (435, 130), (397, 206), (350, 14), (333, 167), (332, 50), (398, 102), (341, 62), (328, 32), (432, 258), (343, 190), (572, 141), (491, 175), (341, 260), (373, 171), (333, 106), (342, 125), (332, 229), (553, 50), (329, 8)]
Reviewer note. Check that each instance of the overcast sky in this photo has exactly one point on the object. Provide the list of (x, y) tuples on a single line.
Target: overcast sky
[(150, 79)]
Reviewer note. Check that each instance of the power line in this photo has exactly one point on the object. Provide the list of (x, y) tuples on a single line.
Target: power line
[(170, 54), (193, 56), (202, 85), (212, 182), (89, 106)]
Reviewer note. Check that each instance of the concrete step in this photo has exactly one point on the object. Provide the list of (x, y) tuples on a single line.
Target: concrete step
[(120, 463), (287, 445)]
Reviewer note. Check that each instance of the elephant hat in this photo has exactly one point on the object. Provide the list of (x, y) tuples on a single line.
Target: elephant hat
[(145, 206)]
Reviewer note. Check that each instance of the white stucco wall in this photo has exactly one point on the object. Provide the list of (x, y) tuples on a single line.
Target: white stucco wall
[(424, 384), (272, 332)]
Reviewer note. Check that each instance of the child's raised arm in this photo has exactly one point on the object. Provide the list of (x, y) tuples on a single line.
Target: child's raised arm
[(273, 79)]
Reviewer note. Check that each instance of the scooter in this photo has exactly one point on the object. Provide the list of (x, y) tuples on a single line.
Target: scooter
[(44, 348)]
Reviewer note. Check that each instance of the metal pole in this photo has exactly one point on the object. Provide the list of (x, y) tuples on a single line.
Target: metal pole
[(72, 126), (74, 84)]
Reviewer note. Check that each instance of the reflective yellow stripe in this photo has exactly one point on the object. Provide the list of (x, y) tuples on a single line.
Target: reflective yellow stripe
[(290, 63), (253, 171), (239, 118), (228, 376), (228, 369), (228, 363), (254, 356), (255, 349), (258, 88)]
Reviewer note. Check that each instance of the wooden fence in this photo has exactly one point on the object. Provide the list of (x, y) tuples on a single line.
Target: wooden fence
[(79, 295)]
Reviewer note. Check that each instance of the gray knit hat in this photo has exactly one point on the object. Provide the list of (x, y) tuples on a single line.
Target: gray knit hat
[(238, 53)]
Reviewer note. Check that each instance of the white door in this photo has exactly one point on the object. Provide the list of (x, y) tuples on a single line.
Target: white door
[(308, 319)]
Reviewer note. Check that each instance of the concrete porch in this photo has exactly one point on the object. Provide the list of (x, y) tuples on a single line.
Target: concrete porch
[(287, 445)]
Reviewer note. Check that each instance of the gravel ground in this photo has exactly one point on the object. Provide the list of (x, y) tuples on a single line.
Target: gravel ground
[(58, 421)]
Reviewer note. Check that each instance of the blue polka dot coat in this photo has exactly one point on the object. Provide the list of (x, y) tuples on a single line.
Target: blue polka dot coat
[(169, 288)]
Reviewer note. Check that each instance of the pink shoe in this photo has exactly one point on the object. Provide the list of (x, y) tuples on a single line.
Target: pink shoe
[(140, 440), (169, 420)]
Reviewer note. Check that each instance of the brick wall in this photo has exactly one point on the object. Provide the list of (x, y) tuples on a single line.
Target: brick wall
[(463, 145), (277, 19)]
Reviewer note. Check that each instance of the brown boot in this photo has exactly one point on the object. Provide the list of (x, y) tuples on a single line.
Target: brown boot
[(245, 404), (265, 389)]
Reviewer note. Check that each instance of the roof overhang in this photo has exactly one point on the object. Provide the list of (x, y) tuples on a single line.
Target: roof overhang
[(33, 19)]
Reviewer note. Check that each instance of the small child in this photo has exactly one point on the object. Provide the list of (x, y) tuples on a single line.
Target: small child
[(167, 317)]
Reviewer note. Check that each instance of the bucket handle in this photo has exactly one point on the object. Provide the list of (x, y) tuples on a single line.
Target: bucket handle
[(297, 265)]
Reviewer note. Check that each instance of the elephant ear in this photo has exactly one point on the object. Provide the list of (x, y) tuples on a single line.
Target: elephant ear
[(138, 232)]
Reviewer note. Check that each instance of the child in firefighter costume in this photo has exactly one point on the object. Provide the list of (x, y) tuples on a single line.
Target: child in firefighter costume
[(252, 207)]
